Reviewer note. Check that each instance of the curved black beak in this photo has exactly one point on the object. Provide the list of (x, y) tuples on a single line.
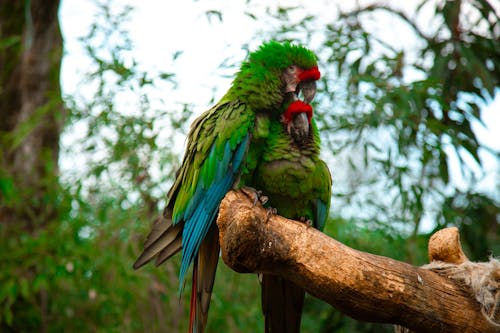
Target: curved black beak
[(299, 128), (308, 89)]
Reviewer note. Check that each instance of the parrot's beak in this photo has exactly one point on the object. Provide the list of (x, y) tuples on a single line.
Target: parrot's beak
[(298, 113), (298, 128), (308, 89), (305, 89)]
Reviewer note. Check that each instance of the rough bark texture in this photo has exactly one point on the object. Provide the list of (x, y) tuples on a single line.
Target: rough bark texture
[(30, 108), (31, 121), (365, 286), (445, 246)]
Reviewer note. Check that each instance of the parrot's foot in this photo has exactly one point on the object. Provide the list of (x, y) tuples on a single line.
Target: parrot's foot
[(305, 220), (255, 195), (270, 212)]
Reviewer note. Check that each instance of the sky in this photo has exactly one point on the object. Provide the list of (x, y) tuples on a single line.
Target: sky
[(160, 28)]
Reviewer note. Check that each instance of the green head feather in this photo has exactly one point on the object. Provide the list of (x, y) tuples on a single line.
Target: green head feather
[(258, 82), (274, 55)]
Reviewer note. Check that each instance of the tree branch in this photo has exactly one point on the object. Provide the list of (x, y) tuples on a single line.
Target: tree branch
[(398, 13), (365, 286)]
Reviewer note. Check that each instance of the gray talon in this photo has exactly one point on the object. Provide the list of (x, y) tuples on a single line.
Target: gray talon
[(251, 193), (305, 220), (270, 212), (255, 195)]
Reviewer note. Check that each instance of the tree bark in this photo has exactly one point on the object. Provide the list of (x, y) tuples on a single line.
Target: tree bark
[(30, 110), (31, 120), (365, 286)]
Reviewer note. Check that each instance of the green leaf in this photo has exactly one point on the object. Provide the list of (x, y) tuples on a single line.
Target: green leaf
[(5, 43)]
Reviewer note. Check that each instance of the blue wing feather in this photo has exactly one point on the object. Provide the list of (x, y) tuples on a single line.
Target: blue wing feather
[(321, 214), (203, 207)]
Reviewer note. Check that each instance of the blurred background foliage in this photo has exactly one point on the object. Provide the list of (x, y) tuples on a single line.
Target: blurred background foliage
[(393, 126)]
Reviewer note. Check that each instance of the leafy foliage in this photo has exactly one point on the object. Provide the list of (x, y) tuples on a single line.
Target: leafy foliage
[(430, 120)]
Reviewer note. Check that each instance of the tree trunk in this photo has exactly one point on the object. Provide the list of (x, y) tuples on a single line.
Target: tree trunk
[(30, 110), (31, 121), (365, 286)]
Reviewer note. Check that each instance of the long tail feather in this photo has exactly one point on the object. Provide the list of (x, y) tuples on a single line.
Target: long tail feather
[(192, 304), (204, 270), (169, 250), (282, 303), (164, 239)]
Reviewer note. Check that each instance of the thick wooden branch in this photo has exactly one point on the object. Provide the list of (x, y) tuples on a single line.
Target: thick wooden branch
[(365, 286)]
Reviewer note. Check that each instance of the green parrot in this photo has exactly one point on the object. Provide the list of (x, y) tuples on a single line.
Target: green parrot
[(260, 134), (298, 185)]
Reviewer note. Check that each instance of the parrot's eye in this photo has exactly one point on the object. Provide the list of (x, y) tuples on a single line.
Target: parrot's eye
[(290, 79), (292, 69)]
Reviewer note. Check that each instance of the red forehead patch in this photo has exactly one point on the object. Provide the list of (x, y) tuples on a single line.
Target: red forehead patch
[(310, 74), (297, 107)]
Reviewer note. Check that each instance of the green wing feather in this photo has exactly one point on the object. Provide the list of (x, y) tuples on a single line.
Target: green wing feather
[(216, 139)]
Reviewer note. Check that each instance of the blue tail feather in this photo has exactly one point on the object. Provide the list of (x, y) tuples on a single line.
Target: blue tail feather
[(203, 207)]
